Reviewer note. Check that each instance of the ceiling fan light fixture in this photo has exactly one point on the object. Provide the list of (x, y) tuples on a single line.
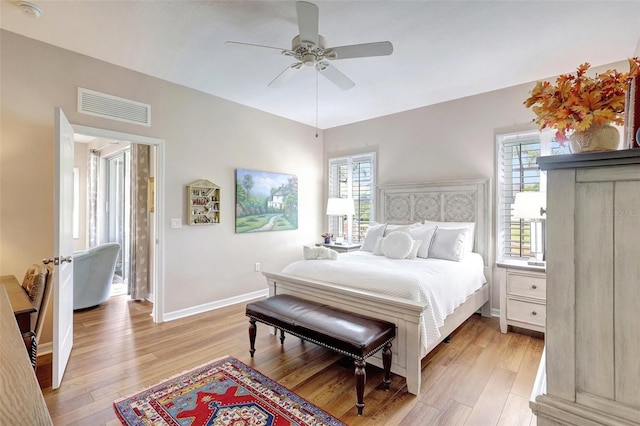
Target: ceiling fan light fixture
[(309, 59), (29, 9)]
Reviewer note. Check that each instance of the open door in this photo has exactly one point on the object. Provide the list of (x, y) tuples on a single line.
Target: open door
[(62, 247)]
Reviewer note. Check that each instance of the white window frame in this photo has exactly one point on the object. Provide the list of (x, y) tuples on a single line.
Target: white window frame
[(332, 191)]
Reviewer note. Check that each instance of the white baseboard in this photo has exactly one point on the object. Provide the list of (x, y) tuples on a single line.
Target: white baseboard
[(45, 348), (183, 313), (495, 312)]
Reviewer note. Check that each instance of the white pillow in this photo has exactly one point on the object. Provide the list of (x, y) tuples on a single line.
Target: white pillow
[(375, 230), (414, 249), (393, 228), (448, 244), (377, 250), (397, 245), (471, 226), (424, 234), (310, 253)]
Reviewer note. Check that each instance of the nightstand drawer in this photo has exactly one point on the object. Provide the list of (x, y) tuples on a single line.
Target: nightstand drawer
[(527, 286), (532, 313)]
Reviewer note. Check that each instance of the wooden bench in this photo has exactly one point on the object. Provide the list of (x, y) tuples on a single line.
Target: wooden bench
[(354, 335)]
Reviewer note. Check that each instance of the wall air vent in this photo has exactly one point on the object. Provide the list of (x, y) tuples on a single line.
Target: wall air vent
[(113, 107)]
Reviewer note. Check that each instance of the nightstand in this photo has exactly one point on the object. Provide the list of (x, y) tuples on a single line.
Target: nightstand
[(523, 296), (343, 248)]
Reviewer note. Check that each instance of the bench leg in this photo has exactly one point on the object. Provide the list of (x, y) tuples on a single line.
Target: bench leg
[(361, 378), (252, 336), (386, 363), (282, 337)]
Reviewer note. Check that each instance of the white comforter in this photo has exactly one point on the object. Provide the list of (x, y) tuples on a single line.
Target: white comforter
[(442, 285)]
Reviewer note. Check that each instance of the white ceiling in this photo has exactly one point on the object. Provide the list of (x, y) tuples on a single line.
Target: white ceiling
[(443, 50)]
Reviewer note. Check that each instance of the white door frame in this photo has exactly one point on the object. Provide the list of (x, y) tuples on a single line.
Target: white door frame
[(158, 293)]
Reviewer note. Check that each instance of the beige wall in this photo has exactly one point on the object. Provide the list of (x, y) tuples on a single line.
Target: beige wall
[(205, 138)]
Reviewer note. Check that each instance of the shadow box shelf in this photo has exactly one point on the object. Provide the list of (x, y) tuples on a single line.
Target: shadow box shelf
[(203, 203)]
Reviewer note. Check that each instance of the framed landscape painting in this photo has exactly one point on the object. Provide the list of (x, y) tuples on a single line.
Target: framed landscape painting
[(265, 201)]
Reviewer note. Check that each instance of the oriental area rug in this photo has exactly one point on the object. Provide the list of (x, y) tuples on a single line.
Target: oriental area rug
[(223, 392)]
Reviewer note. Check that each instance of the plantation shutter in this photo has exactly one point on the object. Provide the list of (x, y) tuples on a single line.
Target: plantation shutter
[(353, 177), (519, 172)]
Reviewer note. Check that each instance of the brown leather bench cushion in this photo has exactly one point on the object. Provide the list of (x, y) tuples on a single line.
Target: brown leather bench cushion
[(354, 334)]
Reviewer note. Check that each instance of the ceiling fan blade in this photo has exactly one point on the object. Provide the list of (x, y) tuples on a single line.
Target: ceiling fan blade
[(239, 43), (307, 21), (380, 48), (285, 75), (333, 75)]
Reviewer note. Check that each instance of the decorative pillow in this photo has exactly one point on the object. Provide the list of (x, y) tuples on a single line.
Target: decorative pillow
[(311, 253), (33, 283), (375, 230), (397, 245), (414, 249), (448, 244), (469, 239), (393, 228), (377, 250), (424, 234)]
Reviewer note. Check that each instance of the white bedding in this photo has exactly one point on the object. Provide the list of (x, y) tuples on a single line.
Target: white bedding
[(441, 284)]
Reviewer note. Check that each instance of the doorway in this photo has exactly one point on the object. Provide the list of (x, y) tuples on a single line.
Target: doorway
[(118, 204)]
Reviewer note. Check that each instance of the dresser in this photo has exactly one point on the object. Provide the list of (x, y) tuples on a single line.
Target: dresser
[(523, 291), (591, 365)]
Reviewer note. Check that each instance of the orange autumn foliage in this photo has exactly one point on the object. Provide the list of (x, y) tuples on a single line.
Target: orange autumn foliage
[(577, 101)]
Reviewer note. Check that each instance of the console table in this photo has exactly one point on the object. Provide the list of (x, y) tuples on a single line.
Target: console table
[(21, 401), (20, 302)]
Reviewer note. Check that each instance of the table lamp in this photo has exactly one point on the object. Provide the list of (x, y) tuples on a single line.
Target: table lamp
[(340, 207), (532, 206)]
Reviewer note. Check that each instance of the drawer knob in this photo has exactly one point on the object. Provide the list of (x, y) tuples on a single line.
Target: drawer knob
[(534, 313), (534, 286)]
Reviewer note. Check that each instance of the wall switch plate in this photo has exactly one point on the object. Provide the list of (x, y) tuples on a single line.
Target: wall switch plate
[(176, 223), (257, 267)]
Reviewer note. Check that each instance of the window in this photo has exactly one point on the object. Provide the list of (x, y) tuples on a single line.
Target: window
[(519, 172), (118, 197), (353, 177), (76, 203)]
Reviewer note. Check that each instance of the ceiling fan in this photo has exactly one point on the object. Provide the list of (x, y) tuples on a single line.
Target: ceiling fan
[(309, 49)]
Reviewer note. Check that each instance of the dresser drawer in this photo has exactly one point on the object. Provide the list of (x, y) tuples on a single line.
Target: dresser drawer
[(527, 285), (532, 313)]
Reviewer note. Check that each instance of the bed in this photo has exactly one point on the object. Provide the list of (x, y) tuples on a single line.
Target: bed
[(451, 201)]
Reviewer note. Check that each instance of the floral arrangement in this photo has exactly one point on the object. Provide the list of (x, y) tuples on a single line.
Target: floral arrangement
[(576, 102), (327, 235)]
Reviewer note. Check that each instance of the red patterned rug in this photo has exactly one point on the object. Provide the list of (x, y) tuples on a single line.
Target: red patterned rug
[(224, 392)]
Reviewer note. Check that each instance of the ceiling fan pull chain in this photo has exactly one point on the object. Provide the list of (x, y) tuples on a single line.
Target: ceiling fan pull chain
[(317, 72)]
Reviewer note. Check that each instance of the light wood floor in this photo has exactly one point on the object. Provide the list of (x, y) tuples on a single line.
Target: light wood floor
[(483, 377)]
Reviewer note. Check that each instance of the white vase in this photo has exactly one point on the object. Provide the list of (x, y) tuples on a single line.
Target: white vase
[(598, 137)]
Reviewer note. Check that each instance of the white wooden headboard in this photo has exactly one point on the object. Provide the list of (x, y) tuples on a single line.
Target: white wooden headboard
[(447, 201)]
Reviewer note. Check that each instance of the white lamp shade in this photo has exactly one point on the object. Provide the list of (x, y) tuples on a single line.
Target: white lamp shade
[(340, 207), (529, 205)]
